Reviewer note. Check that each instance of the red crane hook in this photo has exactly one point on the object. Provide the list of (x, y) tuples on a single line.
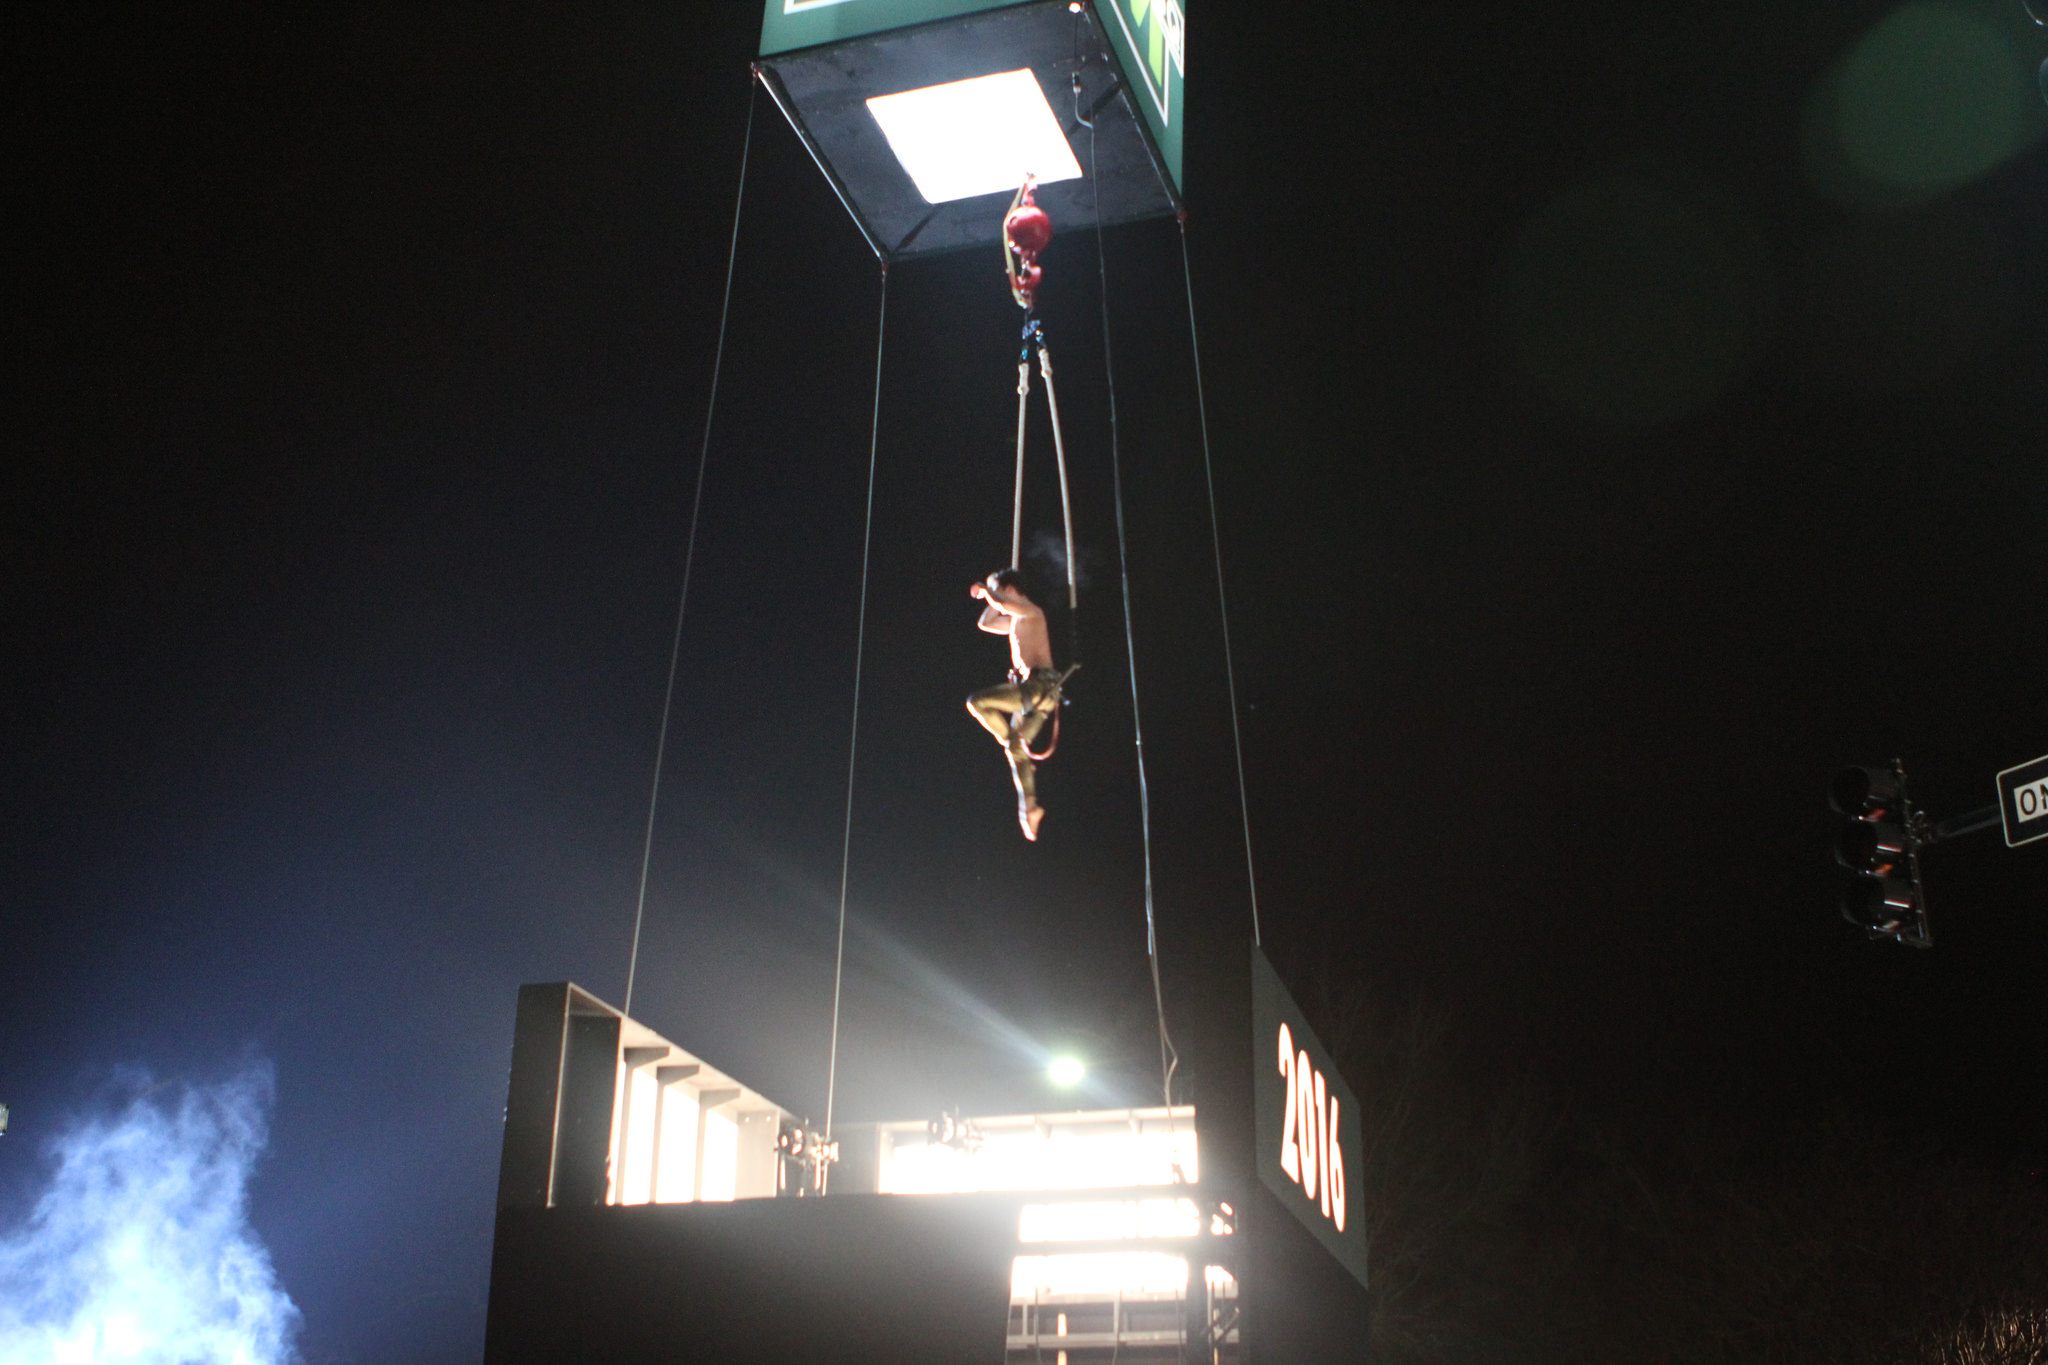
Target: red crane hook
[(1026, 231)]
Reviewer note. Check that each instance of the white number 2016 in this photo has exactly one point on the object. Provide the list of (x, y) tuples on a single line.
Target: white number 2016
[(1310, 1152)]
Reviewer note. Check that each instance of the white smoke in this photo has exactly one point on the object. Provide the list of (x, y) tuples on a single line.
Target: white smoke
[(1048, 550), (140, 1249)]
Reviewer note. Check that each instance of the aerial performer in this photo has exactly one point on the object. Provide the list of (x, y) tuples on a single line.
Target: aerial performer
[(1015, 711)]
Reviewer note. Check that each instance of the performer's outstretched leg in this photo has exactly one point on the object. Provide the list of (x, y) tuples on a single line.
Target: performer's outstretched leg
[(1024, 773), (1007, 713)]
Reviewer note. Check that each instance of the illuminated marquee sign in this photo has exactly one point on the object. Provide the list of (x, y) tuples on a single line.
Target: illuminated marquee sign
[(1310, 1141)]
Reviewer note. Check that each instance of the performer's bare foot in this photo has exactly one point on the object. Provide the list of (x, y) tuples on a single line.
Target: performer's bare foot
[(1029, 818)]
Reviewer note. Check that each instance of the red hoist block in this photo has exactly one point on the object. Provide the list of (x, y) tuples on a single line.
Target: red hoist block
[(1028, 228), (1026, 231)]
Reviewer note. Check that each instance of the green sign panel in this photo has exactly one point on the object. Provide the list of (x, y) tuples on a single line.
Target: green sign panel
[(787, 25), (1151, 42), (1311, 1144)]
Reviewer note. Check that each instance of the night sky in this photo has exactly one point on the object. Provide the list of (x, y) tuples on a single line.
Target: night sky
[(1618, 424)]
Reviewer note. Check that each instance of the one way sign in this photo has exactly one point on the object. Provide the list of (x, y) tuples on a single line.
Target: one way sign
[(2023, 802)]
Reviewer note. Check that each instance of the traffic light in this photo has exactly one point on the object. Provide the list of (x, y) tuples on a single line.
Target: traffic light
[(1881, 844)]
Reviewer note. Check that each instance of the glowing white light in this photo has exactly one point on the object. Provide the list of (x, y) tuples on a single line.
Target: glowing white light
[(677, 1177), (1094, 1273), (1066, 1072), (1108, 1220), (140, 1248), (721, 1157), (1047, 1152), (635, 1160), (975, 136)]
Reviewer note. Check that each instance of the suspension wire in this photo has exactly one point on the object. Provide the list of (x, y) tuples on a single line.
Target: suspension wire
[(853, 739), (689, 554), (1222, 599), (1169, 1058)]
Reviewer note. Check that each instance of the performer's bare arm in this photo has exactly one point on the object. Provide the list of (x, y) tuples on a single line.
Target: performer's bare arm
[(997, 618)]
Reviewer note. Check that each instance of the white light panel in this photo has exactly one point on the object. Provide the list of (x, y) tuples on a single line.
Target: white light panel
[(635, 1161), (1097, 1273), (1109, 1220), (677, 1179), (1074, 1156), (976, 136), (721, 1158)]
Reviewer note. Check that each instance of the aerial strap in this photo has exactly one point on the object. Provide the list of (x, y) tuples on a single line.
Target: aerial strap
[(1059, 453), (1026, 231), (1033, 340), (1017, 507)]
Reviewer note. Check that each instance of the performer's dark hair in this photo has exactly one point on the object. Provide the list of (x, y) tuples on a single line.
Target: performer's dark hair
[(1008, 578)]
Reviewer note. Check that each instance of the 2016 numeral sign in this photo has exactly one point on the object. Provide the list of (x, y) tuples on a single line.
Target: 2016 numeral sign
[(1310, 1152)]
